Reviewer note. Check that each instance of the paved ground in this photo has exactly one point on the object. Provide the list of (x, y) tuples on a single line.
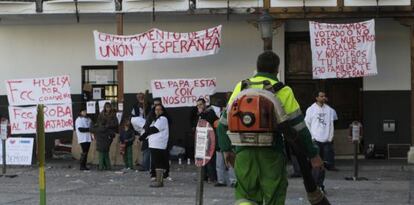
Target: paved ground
[(390, 182)]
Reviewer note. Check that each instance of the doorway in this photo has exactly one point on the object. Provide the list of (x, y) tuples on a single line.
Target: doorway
[(344, 95)]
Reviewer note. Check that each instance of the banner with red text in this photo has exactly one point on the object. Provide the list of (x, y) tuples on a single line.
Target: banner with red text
[(51, 90), (183, 92), (343, 50), (157, 44), (57, 118)]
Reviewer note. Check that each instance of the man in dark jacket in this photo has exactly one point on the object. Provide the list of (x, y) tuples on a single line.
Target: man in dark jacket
[(210, 116)]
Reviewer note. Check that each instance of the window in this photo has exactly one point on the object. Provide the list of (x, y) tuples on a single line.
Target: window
[(103, 81)]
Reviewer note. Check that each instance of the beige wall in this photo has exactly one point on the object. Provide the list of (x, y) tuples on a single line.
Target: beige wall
[(41, 49)]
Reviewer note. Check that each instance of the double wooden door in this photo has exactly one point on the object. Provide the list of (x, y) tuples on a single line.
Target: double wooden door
[(344, 95)]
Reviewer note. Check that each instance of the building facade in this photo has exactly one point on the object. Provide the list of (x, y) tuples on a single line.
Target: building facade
[(47, 38)]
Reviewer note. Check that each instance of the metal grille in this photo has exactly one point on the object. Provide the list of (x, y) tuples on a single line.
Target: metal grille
[(398, 151)]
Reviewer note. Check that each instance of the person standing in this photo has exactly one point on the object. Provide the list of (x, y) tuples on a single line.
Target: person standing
[(139, 110), (157, 134), (261, 171), (210, 116), (82, 126), (225, 175), (107, 126), (146, 153), (320, 119)]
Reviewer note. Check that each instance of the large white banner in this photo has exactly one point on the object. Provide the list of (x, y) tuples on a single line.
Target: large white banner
[(18, 151), (183, 92), (343, 50), (57, 118), (51, 90), (157, 44)]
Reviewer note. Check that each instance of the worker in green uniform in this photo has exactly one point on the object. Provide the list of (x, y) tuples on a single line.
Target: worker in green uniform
[(261, 171)]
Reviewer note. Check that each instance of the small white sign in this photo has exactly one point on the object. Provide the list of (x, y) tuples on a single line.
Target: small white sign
[(120, 106), (18, 151), (201, 142), (3, 131), (91, 107), (97, 93)]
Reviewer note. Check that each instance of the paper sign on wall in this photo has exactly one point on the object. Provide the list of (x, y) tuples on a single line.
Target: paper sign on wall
[(157, 44), (91, 107), (102, 104), (18, 151), (51, 90), (57, 118), (97, 93), (183, 92), (343, 50)]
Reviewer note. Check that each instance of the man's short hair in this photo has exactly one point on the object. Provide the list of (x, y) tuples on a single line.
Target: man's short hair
[(202, 100), (268, 62), (157, 99), (316, 93)]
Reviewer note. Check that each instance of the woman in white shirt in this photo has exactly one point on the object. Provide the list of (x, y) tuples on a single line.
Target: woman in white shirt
[(157, 135), (82, 126)]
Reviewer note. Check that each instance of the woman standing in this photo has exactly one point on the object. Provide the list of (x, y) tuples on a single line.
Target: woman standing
[(107, 126), (158, 134), (82, 126)]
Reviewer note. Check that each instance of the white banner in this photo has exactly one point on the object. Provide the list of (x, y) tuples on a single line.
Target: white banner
[(343, 50), (157, 44), (183, 92), (57, 118), (18, 151), (51, 90)]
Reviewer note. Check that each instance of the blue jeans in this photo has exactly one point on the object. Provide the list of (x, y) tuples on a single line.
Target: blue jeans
[(224, 175), (146, 159), (327, 154)]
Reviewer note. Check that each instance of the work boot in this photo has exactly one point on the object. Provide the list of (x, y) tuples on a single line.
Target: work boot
[(317, 196), (159, 179), (83, 160)]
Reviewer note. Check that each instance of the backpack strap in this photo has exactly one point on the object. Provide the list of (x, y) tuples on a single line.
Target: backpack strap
[(245, 84), (278, 86), (266, 85)]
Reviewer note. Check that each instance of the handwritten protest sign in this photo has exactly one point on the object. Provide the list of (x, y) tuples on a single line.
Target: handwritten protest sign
[(183, 92), (157, 44), (343, 50), (18, 151), (52, 90), (57, 118)]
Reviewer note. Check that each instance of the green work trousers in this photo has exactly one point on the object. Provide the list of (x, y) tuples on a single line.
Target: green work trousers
[(261, 175), (104, 161), (128, 157)]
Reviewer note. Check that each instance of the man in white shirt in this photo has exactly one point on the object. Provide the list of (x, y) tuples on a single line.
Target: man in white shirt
[(320, 119)]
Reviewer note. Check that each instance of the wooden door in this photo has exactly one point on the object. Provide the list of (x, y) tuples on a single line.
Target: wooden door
[(344, 95)]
